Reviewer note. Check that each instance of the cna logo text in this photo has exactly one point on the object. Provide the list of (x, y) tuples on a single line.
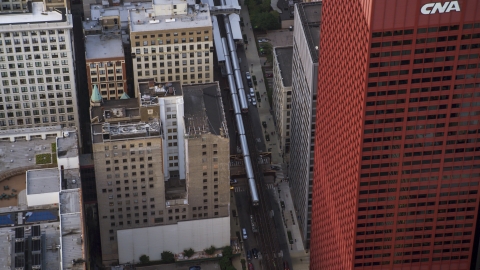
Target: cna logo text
[(439, 7)]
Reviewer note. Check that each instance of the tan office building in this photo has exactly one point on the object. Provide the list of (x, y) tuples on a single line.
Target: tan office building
[(161, 164), (172, 41)]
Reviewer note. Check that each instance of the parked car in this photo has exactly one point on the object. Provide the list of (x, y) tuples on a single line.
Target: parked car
[(244, 233), (247, 74), (249, 255), (255, 253), (267, 138), (250, 266), (285, 266), (264, 124), (233, 181), (269, 75), (195, 268), (262, 40), (254, 102)]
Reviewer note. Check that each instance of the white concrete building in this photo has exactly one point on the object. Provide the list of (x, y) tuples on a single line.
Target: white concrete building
[(306, 39), (37, 85), (282, 95)]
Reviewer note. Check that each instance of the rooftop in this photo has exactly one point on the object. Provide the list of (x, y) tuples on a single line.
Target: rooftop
[(204, 110), (14, 242), (284, 56), (71, 229), (115, 110), (120, 119), (37, 15), (98, 10), (22, 153), (71, 179), (145, 19), (103, 46), (310, 16), (43, 181), (150, 91), (67, 146)]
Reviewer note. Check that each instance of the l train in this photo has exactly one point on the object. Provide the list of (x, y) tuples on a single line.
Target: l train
[(239, 121), (236, 66)]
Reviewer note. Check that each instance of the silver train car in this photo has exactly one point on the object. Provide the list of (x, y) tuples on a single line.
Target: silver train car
[(240, 127), (236, 66)]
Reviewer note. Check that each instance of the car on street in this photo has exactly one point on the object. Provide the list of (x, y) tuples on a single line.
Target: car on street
[(195, 268), (262, 40), (233, 181), (269, 75), (267, 138), (247, 74), (264, 124), (250, 266), (244, 233), (254, 102), (285, 266), (249, 98), (255, 253), (249, 255)]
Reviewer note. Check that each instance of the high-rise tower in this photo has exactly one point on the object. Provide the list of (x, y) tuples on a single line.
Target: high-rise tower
[(36, 66), (397, 146)]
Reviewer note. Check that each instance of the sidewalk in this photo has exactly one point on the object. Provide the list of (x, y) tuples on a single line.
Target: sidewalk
[(300, 259)]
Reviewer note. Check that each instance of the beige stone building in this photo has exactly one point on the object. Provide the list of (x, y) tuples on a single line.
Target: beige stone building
[(172, 41), (161, 164), (282, 95)]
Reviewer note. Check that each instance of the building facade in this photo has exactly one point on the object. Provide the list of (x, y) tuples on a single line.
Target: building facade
[(282, 95), (396, 176), (105, 57), (153, 180), (36, 69), (306, 36), (172, 42)]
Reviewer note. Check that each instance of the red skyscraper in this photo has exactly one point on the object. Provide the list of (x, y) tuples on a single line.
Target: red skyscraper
[(397, 155)]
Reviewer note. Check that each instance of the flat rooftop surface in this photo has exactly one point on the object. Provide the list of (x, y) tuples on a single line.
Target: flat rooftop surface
[(141, 21), (150, 91), (43, 181), (203, 109), (69, 201), (72, 241), (52, 239), (67, 146), (311, 16), (118, 108), (36, 16), (72, 249), (284, 57), (22, 153), (103, 46)]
